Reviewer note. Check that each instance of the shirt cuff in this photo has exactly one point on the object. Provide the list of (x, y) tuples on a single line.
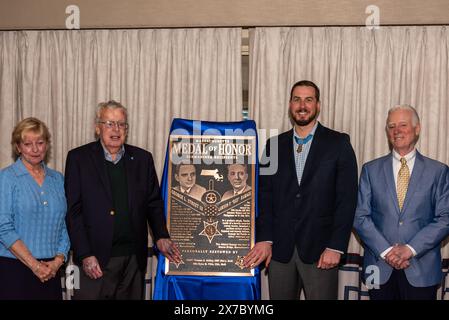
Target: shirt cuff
[(383, 254), (335, 250), (411, 248), (9, 239), (64, 249), (60, 252), (84, 256), (271, 242)]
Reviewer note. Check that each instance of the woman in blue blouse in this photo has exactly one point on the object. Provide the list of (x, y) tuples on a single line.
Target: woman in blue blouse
[(33, 235)]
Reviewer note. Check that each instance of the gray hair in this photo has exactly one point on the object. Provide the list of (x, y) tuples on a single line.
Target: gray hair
[(111, 104), (415, 116)]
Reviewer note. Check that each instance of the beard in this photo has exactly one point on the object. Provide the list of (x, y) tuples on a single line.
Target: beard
[(306, 121)]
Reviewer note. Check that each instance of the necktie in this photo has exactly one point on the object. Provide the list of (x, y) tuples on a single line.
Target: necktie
[(403, 179), (300, 142)]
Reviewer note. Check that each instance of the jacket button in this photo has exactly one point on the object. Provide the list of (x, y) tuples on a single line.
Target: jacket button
[(298, 195), (112, 212), (401, 223)]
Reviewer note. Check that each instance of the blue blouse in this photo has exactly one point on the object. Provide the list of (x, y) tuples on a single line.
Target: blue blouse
[(32, 213)]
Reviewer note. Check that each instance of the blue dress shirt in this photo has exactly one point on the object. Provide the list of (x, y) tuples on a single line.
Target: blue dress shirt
[(32, 213), (301, 157), (108, 156)]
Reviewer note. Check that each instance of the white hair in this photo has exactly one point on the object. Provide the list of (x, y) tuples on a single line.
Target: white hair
[(111, 104), (415, 117)]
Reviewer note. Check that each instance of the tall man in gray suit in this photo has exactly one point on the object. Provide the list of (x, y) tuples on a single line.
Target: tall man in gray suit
[(403, 215)]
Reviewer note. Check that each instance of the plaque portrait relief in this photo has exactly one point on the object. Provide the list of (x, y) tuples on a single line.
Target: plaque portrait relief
[(211, 203)]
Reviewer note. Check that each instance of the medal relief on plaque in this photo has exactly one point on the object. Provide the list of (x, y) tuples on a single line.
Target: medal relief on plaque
[(211, 207)]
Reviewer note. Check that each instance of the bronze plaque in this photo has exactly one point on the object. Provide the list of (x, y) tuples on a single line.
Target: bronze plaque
[(211, 198)]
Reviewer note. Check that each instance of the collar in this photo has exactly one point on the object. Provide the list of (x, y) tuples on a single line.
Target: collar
[(108, 156), (20, 169), (303, 141), (185, 190), (409, 156), (240, 191), (309, 137)]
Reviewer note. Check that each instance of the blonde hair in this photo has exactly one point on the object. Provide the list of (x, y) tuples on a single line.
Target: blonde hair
[(29, 125)]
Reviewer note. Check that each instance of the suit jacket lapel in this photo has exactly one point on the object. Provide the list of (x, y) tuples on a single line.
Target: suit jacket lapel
[(98, 159), (313, 158), (418, 169), (389, 180), (287, 145), (130, 163)]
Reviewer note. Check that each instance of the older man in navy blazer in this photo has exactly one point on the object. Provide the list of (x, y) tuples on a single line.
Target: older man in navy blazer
[(306, 208), (112, 195), (403, 215)]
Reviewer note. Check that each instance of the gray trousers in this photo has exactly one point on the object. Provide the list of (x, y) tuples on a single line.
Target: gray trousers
[(287, 280), (121, 280)]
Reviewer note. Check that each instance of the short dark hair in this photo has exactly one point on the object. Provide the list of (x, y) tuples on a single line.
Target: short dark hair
[(179, 165), (306, 83), (240, 164)]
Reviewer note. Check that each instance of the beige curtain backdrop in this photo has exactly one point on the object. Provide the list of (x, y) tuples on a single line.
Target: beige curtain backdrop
[(60, 76), (361, 74)]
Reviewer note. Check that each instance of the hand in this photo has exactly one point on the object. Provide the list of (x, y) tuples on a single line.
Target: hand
[(399, 257), (54, 265), (169, 249), (403, 265), (92, 268), (41, 271), (259, 253), (329, 259)]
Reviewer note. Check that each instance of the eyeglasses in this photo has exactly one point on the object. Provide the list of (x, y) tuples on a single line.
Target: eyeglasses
[(114, 124)]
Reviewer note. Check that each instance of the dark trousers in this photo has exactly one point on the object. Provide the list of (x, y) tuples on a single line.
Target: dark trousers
[(122, 280), (18, 282), (398, 288), (287, 280)]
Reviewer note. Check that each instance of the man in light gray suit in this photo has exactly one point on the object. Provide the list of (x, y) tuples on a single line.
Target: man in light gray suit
[(403, 215)]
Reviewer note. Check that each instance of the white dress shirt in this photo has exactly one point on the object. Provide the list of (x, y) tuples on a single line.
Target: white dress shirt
[(410, 158)]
